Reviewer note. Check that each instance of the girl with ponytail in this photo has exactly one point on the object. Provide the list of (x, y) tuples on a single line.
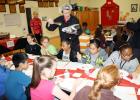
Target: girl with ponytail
[(41, 87), (107, 78)]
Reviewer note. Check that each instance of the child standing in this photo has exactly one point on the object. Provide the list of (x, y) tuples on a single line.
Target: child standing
[(84, 40)]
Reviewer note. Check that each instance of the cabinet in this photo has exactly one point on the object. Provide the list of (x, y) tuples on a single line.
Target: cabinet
[(2, 1), (90, 16)]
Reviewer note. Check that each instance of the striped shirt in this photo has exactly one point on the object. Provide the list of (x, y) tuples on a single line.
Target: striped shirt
[(84, 42)]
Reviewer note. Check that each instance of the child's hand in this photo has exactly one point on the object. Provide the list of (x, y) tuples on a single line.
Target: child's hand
[(79, 56), (50, 21), (77, 83), (6, 63)]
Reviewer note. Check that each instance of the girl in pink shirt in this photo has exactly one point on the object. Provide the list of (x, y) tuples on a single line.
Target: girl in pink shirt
[(41, 88)]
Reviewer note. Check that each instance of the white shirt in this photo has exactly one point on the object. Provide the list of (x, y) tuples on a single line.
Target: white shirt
[(65, 56)]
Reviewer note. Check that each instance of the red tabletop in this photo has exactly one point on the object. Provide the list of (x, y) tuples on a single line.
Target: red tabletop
[(122, 82)]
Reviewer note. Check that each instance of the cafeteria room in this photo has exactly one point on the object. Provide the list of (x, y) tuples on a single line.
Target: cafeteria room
[(69, 50)]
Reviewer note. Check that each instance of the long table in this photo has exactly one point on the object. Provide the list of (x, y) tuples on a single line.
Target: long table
[(73, 68)]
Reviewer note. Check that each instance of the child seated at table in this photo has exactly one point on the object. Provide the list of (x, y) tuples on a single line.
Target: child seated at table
[(107, 78), (17, 80), (94, 55), (32, 47), (41, 87), (46, 47), (123, 58), (66, 53)]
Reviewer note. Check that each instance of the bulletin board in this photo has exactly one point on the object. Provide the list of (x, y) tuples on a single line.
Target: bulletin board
[(12, 19)]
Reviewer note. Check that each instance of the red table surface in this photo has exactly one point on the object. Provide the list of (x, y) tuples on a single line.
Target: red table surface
[(62, 71), (122, 82)]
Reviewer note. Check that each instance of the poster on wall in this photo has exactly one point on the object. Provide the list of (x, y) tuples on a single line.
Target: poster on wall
[(12, 8), (12, 19), (134, 7), (2, 8)]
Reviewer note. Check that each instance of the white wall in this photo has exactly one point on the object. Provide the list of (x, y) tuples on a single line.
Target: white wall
[(125, 6), (13, 29), (52, 12)]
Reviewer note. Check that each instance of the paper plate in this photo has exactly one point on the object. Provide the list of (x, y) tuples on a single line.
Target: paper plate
[(123, 73)]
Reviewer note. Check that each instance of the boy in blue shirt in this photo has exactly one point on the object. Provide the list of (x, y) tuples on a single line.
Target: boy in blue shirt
[(17, 81)]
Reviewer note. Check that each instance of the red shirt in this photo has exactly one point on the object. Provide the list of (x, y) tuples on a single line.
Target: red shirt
[(35, 23)]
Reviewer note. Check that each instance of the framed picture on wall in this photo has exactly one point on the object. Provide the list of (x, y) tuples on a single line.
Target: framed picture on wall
[(2, 8), (134, 7), (21, 2), (21, 8), (12, 8), (2, 1), (40, 4)]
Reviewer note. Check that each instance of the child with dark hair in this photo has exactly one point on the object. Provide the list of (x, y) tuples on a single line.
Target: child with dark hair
[(85, 28), (32, 47), (100, 36), (17, 80), (123, 58), (94, 55), (66, 53)]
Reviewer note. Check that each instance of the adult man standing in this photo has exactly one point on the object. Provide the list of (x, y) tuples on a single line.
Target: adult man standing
[(69, 27), (36, 26)]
